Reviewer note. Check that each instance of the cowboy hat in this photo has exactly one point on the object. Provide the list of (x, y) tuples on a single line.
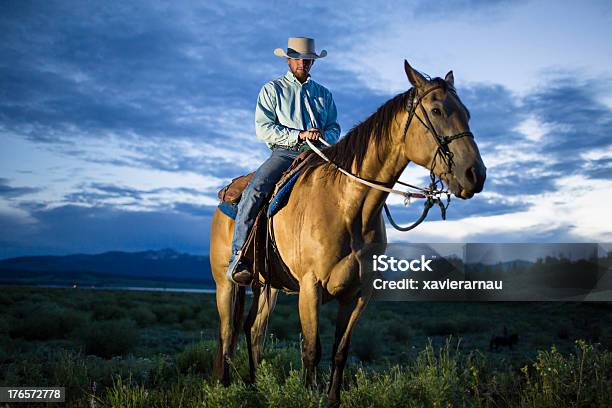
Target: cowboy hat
[(300, 48)]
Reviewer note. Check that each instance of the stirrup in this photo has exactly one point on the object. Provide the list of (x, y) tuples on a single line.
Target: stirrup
[(244, 279)]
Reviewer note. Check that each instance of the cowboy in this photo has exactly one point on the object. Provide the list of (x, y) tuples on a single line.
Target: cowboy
[(289, 110)]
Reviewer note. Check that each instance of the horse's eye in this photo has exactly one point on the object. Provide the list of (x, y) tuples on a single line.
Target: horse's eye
[(436, 111)]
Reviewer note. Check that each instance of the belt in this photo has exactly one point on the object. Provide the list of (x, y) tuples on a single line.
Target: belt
[(295, 148)]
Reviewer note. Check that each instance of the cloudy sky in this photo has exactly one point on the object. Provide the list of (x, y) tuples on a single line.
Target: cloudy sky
[(119, 121)]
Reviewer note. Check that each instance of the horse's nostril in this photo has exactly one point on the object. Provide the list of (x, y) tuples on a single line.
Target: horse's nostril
[(470, 175)]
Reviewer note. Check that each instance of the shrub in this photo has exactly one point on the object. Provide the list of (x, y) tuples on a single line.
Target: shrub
[(281, 359), (606, 338), (163, 372), (288, 393), (284, 329), (367, 341), (197, 358), (46, 323), (378, 389), (143, 316), (237, 395), (582, 378), (5, 324), (69, 370), (23, 371), (104, 311), (72, 320), (126, 394), (454, 325), (400, 330), (435, 377), (190, 325), (542, 339), (563, 332), (185, 312), (208, 318), (5, 299), (167, 313), (110, 338), (104, 370)]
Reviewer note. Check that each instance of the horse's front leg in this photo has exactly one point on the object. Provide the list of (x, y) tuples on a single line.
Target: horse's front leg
[(256, 325), (309, 303), (348, 313)]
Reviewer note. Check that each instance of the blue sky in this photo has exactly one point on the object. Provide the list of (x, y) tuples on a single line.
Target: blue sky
[(119, 121)]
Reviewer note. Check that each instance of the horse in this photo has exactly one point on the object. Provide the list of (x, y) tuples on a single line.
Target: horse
[(324, 231), (505, 340)]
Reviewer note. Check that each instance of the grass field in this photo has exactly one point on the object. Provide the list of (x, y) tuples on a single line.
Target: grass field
[(147, 349)]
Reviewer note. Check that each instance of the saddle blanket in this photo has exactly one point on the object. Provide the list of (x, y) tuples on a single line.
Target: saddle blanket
[(282, 196), (229, 209)]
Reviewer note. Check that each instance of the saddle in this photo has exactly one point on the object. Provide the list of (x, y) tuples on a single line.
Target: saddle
[(260, 249), (233, 191)]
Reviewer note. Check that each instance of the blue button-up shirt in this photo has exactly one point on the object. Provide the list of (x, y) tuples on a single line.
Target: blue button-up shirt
[(285, 107)]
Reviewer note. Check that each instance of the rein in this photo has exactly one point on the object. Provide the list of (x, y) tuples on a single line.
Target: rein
[(432, 195)]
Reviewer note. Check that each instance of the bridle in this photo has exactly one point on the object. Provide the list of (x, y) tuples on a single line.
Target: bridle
[(432, 194)]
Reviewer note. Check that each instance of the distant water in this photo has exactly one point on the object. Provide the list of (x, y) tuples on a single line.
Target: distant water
[(133, 288)]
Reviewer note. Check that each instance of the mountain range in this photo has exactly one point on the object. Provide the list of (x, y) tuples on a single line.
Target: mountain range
[(156, 265)]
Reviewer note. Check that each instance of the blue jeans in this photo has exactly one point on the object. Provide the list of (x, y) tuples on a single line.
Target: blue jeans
[(253, 196)]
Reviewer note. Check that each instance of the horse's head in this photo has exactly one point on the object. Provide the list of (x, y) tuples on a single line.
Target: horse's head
[(440, 137)]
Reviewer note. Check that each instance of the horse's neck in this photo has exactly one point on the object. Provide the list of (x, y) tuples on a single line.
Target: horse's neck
[(369, 201)]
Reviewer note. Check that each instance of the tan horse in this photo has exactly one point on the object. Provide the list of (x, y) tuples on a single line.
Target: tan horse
[(324, 230)]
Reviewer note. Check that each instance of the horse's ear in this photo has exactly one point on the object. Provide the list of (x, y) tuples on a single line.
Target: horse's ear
[(413, 75), (450, 78)]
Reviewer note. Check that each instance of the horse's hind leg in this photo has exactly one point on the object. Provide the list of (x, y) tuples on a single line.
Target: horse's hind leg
[(309, 304), (230, 304), (256, 325)]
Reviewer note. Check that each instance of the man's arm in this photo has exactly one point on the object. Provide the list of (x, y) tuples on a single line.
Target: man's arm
[(332, 128), (266, 126)]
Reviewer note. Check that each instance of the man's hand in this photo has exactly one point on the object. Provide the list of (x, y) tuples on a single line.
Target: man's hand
[(312, 134)]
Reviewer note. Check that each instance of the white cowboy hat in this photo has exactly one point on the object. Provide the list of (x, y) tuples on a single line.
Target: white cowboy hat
[(300, 48)]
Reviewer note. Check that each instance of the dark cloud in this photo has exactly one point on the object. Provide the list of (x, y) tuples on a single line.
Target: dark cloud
[(153, 73), (116, 191), (135, 67), (570, 108), (581, 122), (539, 235), (457, 209), (475, 9), (70, 228), (495, 112), (520, 184), (600, 169), (95, 193), (10, 192), (111, 69)]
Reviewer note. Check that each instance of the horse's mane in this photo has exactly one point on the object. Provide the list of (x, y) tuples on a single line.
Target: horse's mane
[(353, 147)]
